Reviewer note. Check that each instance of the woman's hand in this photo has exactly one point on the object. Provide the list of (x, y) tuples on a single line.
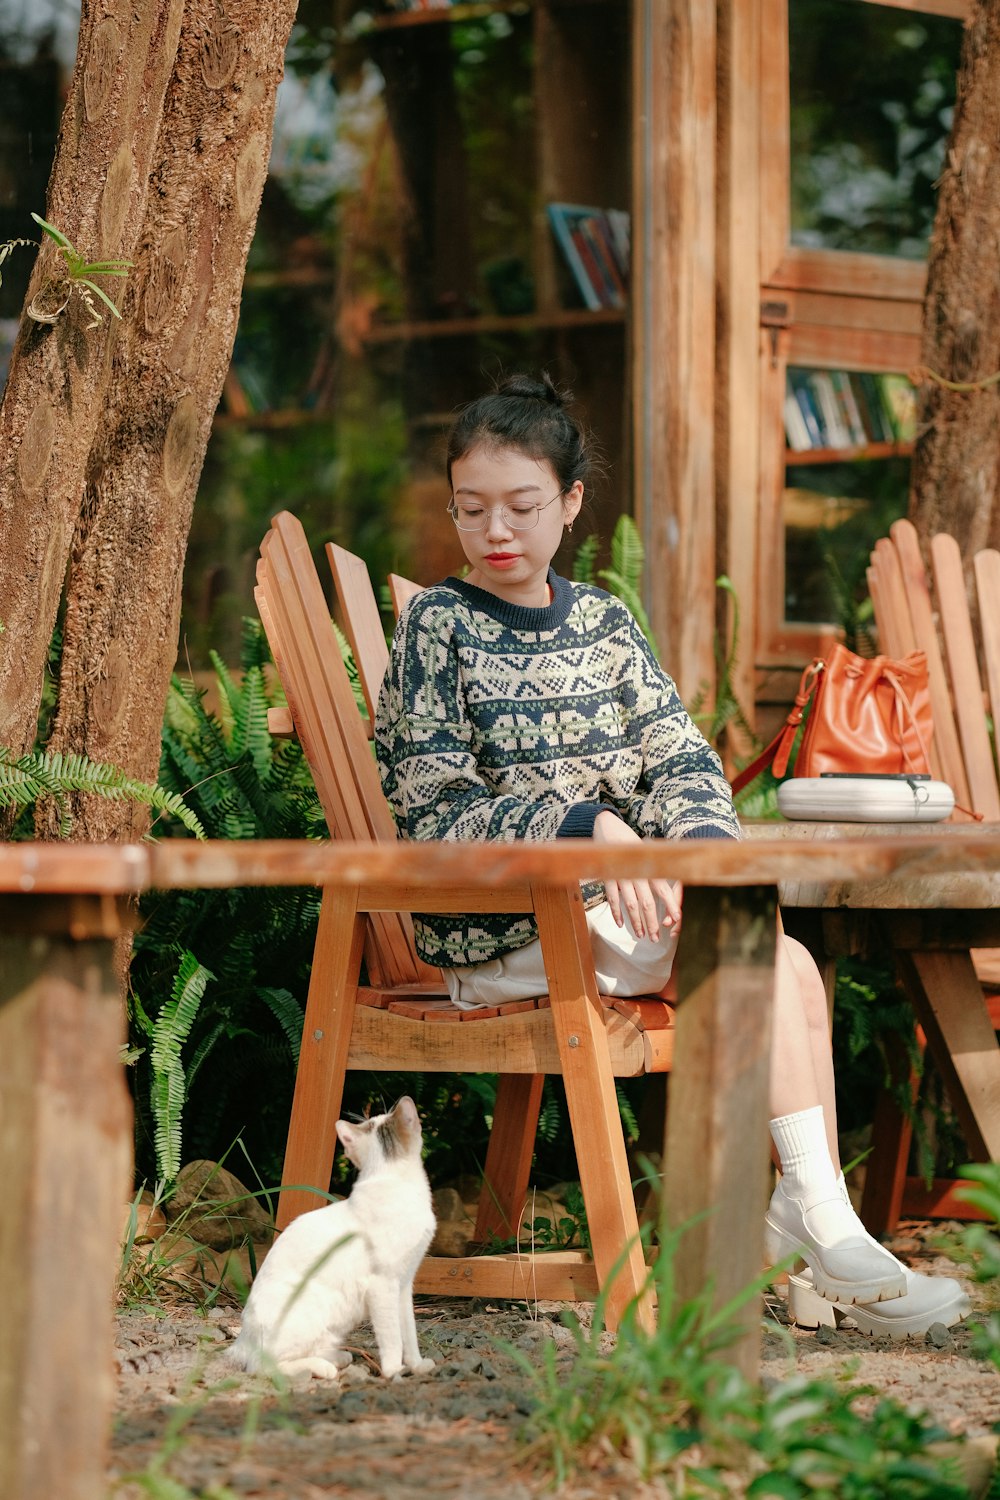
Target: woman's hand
[(642, 900)]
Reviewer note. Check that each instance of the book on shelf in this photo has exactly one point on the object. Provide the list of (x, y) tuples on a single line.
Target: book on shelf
[(804, 401), (796, 431), (594, 243), (873, 411), (847, 409), (848, 406), (831, 423)]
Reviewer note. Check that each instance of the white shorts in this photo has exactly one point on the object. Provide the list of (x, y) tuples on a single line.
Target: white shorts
[(625, 965)]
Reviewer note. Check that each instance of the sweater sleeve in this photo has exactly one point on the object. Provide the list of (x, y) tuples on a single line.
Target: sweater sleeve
[(682, 791), (423, 742)]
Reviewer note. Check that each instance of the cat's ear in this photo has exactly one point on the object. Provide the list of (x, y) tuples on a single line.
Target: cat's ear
[(345, 1134), (405, 1117)]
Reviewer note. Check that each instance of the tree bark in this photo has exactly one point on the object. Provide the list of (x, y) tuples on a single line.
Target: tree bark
[(956, 462), (170, 359), (59, 373)]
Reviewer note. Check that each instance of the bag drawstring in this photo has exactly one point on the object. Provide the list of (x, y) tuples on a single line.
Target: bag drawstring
[(905, 719)]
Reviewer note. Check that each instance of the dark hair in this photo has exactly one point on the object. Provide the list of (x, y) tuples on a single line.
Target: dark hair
[(530, 415)]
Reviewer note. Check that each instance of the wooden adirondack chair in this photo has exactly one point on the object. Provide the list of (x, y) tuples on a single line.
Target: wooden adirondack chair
[(399, 1019), (914, 612)]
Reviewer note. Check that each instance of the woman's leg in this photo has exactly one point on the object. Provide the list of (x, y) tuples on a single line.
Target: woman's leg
[(805, 1128), (801, 1057), (810, 1208)]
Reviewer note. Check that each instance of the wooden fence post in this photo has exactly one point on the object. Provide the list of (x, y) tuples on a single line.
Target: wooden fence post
[(716, 1139), (65, 1171)]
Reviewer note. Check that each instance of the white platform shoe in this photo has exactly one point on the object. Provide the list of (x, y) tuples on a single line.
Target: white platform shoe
[(847, 1266), (926, 1301)]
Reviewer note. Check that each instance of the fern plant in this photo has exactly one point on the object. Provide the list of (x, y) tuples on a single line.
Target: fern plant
[(167, 1035), (624, 577), (219, 978), (27, 779)]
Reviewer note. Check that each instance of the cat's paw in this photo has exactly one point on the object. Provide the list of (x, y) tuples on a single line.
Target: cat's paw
[(422, 1367), (392, 1372), (313, 1365)]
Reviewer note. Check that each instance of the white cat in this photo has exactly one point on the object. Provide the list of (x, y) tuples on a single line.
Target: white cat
[(333, 1267)]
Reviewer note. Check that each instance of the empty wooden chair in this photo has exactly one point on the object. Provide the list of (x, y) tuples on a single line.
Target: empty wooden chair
[(400, 1020), (914, 611)]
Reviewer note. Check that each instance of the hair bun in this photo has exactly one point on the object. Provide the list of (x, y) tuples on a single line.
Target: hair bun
[(542, 389)]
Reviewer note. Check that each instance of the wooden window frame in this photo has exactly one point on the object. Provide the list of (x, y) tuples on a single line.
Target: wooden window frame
[(831, 309)]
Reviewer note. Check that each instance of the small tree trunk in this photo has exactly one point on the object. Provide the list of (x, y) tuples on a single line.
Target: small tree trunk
[(170, 359), (956, 464), (59, 373)]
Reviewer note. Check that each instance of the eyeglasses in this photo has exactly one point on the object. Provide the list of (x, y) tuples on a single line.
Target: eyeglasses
[(519, 516)]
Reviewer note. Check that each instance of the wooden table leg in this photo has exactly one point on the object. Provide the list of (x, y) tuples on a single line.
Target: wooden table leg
[(716, 1139), (65, 1166), (948, 1000)]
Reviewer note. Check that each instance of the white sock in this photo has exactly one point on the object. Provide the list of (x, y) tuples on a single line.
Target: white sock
[(800, 1141), (807, 1172)]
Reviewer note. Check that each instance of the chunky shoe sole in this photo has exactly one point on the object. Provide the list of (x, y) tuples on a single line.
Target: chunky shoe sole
[(808, 1310), (781, 1244)]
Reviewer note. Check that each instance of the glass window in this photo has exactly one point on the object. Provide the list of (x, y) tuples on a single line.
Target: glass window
[(404, 257), (835, 507), (872, 95)]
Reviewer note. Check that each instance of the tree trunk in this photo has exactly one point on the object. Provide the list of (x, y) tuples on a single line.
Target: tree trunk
[(956, 464), (170, 359), (59, 373)]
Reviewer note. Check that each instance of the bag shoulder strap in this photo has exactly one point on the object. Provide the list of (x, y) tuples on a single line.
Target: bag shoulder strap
[(780, 747)]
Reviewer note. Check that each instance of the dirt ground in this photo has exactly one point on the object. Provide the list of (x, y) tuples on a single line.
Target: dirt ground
[(183, 1415)]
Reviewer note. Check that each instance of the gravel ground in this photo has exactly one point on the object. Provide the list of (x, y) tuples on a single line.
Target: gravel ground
[(455, 1432)]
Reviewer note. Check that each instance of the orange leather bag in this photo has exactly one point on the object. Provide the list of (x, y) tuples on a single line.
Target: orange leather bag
[(866, 715)]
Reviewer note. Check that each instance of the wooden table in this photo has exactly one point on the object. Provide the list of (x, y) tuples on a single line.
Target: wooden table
[(928, 924), (65, 1138)]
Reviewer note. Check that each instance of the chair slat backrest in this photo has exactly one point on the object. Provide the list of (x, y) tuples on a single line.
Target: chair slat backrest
[(892, 609), (986, 565), (296, 620), (362, 620), (963, 668), (910, 617), (950, 762), (401, 590)]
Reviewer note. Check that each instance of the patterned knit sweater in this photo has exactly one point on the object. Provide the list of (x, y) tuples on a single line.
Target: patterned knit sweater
[(499, 722)]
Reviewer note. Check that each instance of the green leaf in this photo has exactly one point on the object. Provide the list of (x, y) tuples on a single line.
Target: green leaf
[(585, 560), (627, 553), (103, 295), (54, 233)]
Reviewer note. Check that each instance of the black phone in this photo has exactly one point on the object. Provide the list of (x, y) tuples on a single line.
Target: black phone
[(876, 775)]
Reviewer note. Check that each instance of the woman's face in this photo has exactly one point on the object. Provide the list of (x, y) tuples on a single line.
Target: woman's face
[(506, 560)]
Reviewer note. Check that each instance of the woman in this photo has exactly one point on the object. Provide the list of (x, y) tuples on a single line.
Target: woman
[(521, 706)]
